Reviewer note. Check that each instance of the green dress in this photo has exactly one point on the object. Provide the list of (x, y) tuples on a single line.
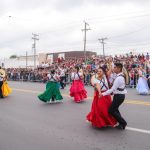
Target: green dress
[(52, 90)]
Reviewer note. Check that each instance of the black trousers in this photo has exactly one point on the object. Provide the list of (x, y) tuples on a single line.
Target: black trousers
[(114, 108), (148, 81), (62, 84), (1, 94), (134, 81)]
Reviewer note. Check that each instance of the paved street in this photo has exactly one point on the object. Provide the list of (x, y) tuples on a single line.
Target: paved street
[(29, 124)]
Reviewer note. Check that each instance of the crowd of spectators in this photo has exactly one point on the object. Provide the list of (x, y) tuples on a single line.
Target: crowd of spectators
[(130, 61)]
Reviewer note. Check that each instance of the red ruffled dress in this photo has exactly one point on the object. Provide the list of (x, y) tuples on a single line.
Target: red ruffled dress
[(77, 88), (99, 116)]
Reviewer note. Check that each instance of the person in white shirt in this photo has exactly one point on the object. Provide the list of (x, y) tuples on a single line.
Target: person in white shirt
[(119, 91), (62, 77)]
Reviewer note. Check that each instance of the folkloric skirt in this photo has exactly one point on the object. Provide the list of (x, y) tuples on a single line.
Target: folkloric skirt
[(99, 116), (77, 91), (52, 90)]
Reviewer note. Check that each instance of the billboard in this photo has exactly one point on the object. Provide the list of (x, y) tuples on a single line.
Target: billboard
[(61, 55), (50, 58)]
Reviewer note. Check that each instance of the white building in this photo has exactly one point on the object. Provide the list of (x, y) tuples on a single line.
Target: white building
[(17, 63)]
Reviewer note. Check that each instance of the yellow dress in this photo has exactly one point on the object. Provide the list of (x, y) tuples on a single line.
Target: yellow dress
[(6, 90)]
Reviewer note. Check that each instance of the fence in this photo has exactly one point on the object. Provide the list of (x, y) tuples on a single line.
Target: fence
[(36, 77)]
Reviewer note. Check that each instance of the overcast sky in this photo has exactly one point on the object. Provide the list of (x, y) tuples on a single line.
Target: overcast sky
[(126, 24)]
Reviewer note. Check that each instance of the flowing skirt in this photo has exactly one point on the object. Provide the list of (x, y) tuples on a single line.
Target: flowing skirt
[(99, 116), (6, 90), (51, 92), (77, 91), (142, 86)]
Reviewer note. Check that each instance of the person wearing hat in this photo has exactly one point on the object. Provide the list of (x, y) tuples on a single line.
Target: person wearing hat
[(2, 75)]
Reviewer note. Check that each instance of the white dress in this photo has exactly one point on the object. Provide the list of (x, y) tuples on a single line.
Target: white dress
[(142, 86)]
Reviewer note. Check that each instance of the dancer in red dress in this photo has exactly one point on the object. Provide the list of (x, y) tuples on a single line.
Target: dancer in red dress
[(77, 88), (99, 116)]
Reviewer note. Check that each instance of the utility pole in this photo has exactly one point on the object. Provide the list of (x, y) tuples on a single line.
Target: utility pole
[(26, 59), (35, 38), (103, 43), (85, 29)]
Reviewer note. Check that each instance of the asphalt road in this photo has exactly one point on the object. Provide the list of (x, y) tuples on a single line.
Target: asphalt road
[(29, 124)]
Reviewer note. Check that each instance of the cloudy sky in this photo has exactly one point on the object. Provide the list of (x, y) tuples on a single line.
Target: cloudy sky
[(126, 24)]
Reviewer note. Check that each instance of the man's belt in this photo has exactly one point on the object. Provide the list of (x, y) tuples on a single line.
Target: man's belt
[(119, 89)]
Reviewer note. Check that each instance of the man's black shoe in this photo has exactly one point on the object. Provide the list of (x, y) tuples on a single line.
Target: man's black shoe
[(124, 126), (121, 127)]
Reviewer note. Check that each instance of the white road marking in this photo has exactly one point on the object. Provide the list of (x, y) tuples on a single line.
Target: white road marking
[(138, 130), (127, 128)]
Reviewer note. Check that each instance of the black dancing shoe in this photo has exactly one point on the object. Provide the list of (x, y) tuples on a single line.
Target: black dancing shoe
[(121, 127), (53, 99)]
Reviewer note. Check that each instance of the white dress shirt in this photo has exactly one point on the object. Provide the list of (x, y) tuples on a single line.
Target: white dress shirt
[(112, 77), (62, 72), (118, 83)]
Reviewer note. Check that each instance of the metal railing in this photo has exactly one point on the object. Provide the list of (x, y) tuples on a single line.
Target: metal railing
[(132, 80)]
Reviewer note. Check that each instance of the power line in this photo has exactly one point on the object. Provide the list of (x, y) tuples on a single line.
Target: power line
[(132, 32), (105, 19), (134, 14), (143, 12)]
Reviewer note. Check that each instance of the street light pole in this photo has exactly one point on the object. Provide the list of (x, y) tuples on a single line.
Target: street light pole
[(85, 29), (26, 59), (103, 44), (34, 46)]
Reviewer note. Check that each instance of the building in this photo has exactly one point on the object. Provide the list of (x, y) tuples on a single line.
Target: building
[(19, 62), (51, 57), (28, 61)]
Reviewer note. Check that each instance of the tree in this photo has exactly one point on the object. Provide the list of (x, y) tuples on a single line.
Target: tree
[(13, 56)]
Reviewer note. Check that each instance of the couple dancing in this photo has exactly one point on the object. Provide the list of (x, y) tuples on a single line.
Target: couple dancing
[(105, 112)]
